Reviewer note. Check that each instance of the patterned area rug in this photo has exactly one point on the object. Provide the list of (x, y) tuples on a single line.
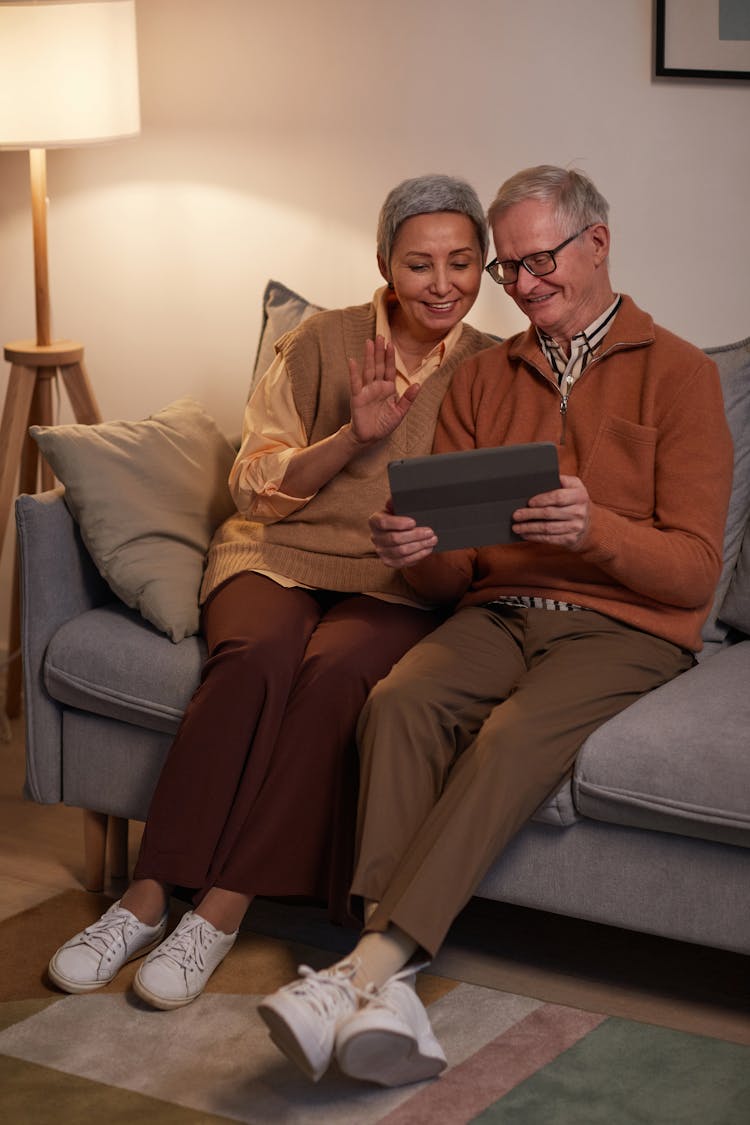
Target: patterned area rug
[(108, 1057)]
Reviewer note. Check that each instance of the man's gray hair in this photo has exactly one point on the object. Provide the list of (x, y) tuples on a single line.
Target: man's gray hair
[(578, 203), (424, 195)]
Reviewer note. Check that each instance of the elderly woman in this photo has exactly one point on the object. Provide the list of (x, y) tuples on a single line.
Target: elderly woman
[(300, 616)]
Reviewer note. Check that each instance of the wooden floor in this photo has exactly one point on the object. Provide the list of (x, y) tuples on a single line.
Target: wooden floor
[(560, 960)]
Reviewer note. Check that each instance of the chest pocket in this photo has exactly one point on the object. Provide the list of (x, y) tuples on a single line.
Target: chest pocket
[(620, 471)]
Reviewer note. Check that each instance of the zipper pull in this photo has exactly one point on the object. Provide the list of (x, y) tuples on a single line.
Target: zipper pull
[(564, 416)]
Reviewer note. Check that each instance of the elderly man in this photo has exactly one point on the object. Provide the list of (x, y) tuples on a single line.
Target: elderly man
[(602, 599)]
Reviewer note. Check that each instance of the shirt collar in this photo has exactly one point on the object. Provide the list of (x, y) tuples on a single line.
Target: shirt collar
[(384, 299), (588, 339)]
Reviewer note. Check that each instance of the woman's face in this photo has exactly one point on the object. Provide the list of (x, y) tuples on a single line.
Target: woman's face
[(435, 268)]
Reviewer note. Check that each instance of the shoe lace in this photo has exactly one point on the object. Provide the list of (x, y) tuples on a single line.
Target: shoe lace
[(113, 928), (380, 997), (188, 944), (329, 993)]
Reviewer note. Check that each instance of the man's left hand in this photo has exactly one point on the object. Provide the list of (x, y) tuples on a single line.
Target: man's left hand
[(560, 518)]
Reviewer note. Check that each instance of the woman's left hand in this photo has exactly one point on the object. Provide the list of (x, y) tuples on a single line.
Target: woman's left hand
[(376, 408), (397, 539)]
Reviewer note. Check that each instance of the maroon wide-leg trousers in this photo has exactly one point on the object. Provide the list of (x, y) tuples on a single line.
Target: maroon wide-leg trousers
[(258, 793)]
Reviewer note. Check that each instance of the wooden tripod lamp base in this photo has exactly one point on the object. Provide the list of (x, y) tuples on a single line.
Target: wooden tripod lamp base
[(29, 402)]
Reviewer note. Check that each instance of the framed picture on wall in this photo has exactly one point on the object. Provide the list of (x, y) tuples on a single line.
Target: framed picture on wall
[(702, 39)]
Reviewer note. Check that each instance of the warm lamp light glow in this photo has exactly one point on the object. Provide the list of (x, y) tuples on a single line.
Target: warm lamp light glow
[(68, 73)]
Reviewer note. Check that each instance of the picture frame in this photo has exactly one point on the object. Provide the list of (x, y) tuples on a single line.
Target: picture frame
[(689, 42)]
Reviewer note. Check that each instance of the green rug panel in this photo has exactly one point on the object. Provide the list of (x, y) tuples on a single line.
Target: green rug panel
[(626, 1073)]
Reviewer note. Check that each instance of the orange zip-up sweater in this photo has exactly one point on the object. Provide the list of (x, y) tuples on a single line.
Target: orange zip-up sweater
[(645, 430)]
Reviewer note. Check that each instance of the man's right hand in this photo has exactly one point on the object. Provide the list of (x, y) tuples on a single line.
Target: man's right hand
[(397, 539)]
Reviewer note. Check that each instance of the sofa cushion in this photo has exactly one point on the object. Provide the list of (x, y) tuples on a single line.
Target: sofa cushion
[(147, 497), (676, 760), (109, 661), (283, 309), (733, 362)]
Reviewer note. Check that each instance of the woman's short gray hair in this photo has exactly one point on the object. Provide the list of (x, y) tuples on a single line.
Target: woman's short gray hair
[(424, 195), (577, 202)]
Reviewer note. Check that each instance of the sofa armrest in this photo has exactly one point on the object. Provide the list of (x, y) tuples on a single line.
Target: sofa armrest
[(58, 581)]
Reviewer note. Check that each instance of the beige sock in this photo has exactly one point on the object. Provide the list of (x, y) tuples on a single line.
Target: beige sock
[(370, 907), (223, 909), (147, 899), (380, 955)]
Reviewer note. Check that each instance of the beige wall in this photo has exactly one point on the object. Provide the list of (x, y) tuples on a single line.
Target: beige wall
[(272, 131)]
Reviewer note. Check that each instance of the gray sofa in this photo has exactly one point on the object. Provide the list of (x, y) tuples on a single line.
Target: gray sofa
[(651, 834)]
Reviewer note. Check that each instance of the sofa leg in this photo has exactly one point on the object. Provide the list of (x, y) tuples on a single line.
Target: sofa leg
[(118, 847), (98, 829), (94, 849)]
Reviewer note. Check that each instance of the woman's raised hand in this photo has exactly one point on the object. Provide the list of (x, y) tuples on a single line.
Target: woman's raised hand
[(376, 407)]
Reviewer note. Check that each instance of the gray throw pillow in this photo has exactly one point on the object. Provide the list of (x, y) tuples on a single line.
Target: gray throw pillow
[(147, 497), (283, 309), (736, 608), (733, 362)]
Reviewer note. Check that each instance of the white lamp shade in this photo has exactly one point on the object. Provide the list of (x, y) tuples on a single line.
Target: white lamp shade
[(68, 73)]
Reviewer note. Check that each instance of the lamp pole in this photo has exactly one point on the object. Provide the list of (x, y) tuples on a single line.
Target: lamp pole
[(38, 178), (28, 402)]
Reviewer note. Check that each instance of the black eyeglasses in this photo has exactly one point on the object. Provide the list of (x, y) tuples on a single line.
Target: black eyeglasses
[(538, 265)]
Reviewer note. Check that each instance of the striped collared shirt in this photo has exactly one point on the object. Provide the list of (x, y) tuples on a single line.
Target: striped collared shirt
[(583, 347), (530, 603)]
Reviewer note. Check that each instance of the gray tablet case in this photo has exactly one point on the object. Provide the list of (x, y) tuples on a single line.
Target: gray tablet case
[(468, 498)]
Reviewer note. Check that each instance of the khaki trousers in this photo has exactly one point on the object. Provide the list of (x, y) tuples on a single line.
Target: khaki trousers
[(467, 736)]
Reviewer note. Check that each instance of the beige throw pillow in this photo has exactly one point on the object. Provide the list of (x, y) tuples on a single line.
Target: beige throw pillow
[(147, 496)]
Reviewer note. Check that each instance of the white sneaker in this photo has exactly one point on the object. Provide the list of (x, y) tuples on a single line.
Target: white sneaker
[(390, 1040), (178, 970), (95, 956), (303, 1017)]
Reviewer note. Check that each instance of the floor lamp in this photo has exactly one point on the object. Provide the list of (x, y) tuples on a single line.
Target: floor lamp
[(68, 76)]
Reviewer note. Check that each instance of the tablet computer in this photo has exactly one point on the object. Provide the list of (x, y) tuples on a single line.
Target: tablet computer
[(468, 498)]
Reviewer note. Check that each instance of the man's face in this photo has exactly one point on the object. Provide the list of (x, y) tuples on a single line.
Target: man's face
[(563, 302)]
